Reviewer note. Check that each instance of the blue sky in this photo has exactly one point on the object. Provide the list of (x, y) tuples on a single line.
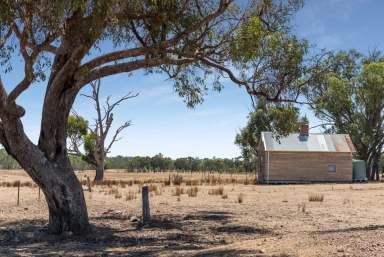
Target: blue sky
[(163, 123)]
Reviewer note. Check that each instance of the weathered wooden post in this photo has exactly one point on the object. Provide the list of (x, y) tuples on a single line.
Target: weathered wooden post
[(145, 198), (18, 193), (89, 184)]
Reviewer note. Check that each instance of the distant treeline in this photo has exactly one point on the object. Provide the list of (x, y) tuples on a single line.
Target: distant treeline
[(161, 163), (144, 164)]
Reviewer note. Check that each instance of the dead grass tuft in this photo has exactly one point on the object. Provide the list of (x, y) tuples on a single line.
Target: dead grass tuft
[(177, 180), (240, 198), (17, 183), (178, 191), (130, 195), (113, 191), (192, 191), (153, 188), (192, 182), (216, 191), (315, 197), (118, 195), (301, 207)]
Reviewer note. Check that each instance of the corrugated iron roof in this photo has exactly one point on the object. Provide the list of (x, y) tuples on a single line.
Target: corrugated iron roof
[(315, 142)]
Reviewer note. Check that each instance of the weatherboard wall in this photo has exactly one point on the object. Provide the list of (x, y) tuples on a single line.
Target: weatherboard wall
[(280, 166)]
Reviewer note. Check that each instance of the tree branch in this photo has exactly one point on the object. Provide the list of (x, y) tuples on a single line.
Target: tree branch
[(126, 67), (117, 132)]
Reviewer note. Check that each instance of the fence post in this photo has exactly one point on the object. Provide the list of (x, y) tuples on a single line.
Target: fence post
[(18, 193), (145, 198), (89, 184)]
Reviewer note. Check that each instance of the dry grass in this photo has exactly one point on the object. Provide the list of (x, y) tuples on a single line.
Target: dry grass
[(113, 191), (240, 198), (192, 191), (118, 195), (177, 180), (316, 197), (192, 182), (153, 188), (301, 207), (216, 191), (130, 195), (210, 219), (178, 191), (17, 183)]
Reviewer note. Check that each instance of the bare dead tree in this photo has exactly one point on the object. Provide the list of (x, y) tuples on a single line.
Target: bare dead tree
[(94, 141)]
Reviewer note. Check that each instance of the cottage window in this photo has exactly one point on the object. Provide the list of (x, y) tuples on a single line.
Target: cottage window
[(332, 168)]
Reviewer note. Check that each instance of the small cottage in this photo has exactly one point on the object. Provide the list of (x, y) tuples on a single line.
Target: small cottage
[(305, 157)]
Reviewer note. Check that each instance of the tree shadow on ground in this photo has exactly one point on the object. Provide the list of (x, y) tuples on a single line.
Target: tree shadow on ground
[(209, 216), (352, 229), (236, 252), (116, 236), (237, 229), (229, 253)]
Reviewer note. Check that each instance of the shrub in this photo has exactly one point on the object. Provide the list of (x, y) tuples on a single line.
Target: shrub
[(316, 197), (224, 196)]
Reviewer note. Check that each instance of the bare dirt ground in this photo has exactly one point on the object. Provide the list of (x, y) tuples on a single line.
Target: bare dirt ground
[(276, 220)]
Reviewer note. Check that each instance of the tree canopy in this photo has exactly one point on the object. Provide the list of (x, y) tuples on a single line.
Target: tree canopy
[(350, 99), (278, 118)]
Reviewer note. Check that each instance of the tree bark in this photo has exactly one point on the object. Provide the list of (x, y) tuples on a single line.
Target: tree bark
[(100, 171), (56, 178), (66, 203)]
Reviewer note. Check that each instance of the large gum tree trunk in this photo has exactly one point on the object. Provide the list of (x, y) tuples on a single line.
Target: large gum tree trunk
[(66, 203), (63, 192), (47, 163)]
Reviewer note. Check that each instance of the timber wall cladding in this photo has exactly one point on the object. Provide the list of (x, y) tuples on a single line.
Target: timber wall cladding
[(309, 166)]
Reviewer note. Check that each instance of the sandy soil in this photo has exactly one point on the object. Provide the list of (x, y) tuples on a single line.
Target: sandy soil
[(274, 220)]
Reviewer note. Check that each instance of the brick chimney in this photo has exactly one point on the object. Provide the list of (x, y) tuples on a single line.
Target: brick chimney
[(304, 131)]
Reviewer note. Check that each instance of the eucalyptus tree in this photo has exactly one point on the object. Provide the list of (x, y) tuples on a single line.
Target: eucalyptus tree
[(68, 44), (350, 99), (93, 138), (279, 118)]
